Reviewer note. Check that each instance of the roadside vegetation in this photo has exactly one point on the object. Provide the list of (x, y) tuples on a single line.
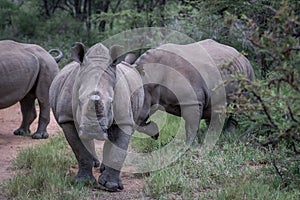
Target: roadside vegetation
[(260, 160), (43, 173)]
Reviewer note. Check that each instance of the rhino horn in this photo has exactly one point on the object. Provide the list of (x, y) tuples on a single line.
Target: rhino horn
[(78, 52), (99, 107)]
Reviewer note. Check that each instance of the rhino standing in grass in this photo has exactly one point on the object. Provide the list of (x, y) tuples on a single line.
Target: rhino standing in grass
[(26, 72), (186, 80), (93, 98)]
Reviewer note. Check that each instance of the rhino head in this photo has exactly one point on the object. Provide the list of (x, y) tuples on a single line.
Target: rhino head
[(93, 90)]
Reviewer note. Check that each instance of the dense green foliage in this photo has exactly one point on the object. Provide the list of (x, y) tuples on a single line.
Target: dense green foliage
[(267, 32), (275, 116)]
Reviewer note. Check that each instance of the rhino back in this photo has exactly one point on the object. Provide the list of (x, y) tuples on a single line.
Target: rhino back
[(175, 74), (18, 71), (204, 63), (196, 68), (228, 59), (61, 91), (229, 62), (48, 70)]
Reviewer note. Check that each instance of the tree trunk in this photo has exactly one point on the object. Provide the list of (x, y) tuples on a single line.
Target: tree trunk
[(46, 8), (102, 6), (150, 8), (88, 11), (161, 4), (77, 5)]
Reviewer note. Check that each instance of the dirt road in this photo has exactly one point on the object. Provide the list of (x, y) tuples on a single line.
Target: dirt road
[(10, 144)]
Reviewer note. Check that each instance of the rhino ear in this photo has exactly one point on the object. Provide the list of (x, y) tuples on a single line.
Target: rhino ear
[(78, 52), (130, 58), (116, 51)]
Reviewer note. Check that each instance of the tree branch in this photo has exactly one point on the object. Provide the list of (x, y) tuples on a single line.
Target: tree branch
[(291, 114), (277, 169), (265, 108)]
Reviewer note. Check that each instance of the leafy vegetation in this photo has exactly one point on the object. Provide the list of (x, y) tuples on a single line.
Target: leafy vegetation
[(275, 116), (259, 161), (233, 171)]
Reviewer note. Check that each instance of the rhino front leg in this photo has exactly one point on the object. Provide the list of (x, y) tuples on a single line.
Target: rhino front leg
[(85, 160), (150, 129), (28, 114), (114, 154)]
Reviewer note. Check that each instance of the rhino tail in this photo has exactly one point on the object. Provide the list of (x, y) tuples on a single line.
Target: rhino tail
[(58, 52)]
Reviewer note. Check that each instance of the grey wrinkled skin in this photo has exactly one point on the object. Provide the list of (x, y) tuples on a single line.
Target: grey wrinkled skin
[(194, 64), (26, 72), (85, 90)]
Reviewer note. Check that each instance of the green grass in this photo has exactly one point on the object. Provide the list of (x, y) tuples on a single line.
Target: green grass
[(232, 170), (43, 173)]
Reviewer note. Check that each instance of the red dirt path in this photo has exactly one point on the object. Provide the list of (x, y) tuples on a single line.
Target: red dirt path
[(10, 144)]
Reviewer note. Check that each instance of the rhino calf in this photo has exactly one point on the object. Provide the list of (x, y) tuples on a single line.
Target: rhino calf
[(26, 72)]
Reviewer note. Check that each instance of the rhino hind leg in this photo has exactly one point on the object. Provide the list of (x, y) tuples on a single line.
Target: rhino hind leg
[(28, 114), (44, 119), (85, 160), (192, 115)]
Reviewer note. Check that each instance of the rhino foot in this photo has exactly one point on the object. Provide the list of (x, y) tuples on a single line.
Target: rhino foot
[(21, 131), (110, 182), (155, 137), (40, 135)]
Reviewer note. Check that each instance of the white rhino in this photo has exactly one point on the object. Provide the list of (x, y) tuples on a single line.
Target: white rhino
[(91, 99), (26, 72), (186, 80)]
